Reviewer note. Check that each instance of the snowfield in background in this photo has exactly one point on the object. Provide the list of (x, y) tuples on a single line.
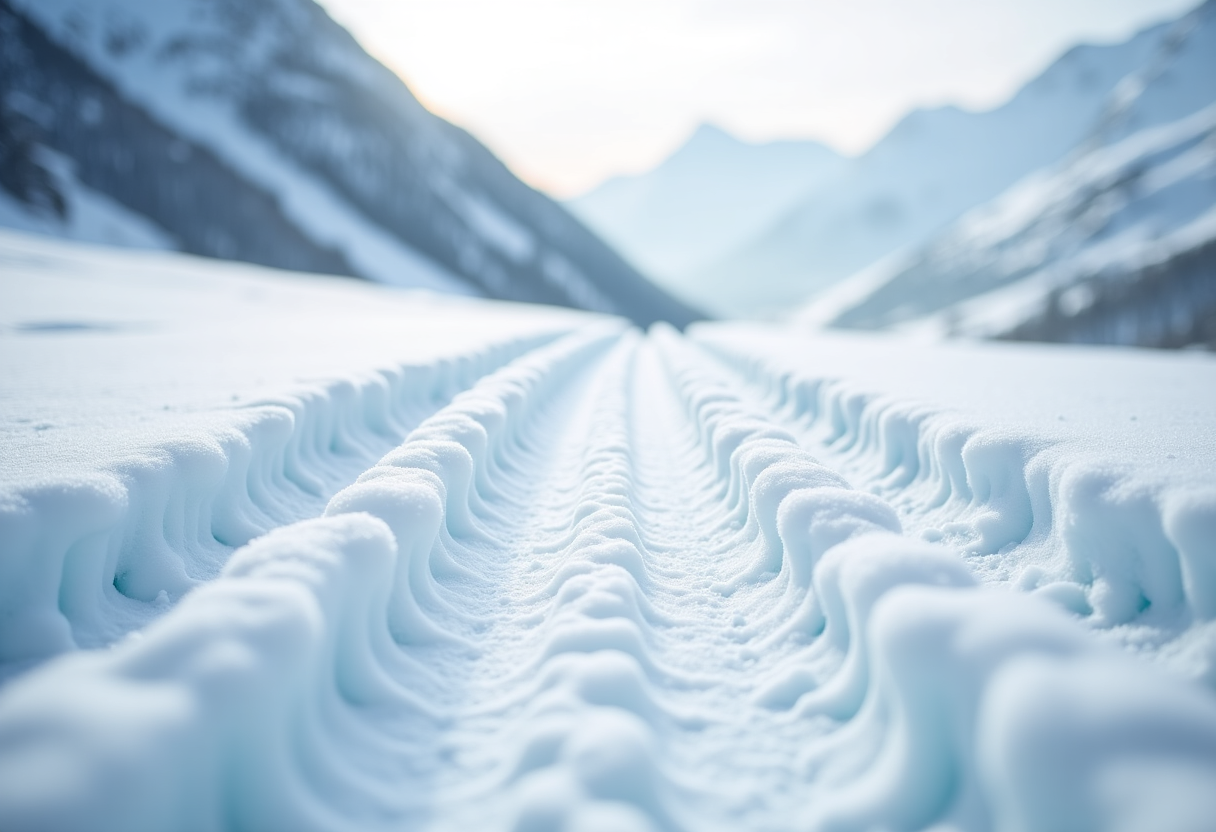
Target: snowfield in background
[(284, 552)]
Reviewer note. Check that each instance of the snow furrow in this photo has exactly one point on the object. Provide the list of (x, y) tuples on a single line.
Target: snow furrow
[(88, 559), (1081, 526), (932, 465), (608, 587)]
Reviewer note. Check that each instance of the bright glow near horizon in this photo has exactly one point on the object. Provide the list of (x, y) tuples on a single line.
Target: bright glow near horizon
[(570, 92)]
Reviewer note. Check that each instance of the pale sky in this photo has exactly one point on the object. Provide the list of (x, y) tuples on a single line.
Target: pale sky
[(570, 92)]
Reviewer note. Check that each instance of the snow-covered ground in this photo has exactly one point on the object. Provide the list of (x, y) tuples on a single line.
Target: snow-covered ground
[(137, 386), (299, 553)]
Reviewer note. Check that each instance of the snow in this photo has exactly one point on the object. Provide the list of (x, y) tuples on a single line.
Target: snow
[(1101, 216), (898, 196), (1043, 466), (490, 222), (710, 196), (114, 418), (91, 217), (447, 564)]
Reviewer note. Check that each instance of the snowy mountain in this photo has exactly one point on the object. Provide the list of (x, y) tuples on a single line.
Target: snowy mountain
[(262, 131), (710, 196), (1117, 245), (936, 164)]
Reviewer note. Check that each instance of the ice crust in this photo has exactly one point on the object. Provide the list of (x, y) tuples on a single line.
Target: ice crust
[(744, 579)]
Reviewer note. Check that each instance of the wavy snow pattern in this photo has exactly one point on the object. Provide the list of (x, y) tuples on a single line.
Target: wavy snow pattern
[(605, 588), (1126, 545), (87, 560)]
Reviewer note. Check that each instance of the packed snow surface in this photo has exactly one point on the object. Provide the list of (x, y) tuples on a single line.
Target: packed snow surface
[(292, 553)]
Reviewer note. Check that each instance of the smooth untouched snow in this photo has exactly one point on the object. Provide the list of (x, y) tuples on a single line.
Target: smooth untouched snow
[(748, 578)]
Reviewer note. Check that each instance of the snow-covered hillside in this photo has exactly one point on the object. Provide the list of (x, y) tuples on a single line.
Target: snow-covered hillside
[(58, 204), (937, 164), (1117, 245), (712, 195), (284, 552), (262, 131)]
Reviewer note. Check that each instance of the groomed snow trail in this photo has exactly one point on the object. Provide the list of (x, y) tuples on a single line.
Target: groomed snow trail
[(612, 587)]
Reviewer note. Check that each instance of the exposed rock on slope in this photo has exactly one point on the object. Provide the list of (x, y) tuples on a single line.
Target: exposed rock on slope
[(273, 102)]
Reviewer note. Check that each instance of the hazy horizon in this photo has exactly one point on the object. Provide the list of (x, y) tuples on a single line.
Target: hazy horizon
[(637, 77)]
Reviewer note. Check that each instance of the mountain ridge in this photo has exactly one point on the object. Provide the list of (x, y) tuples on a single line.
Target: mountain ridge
[(1113, 244), (928, 170), (674, 218), (930, 167), (289, 101)]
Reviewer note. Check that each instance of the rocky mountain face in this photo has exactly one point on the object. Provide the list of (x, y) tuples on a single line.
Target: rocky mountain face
[(262, 131), (845, 217), (932, 167), (1114, 244), (51, 99)]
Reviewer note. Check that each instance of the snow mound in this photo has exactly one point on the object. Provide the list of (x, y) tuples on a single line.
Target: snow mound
[(746, 578), (134, 460)]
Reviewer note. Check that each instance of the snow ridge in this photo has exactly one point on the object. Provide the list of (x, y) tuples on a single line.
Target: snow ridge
[(89, 558), (608, 587), (1101, 539)]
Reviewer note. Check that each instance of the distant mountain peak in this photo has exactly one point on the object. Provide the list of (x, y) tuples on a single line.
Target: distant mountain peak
[(936, 164), (706, 197), (708, 131), (708, 135)]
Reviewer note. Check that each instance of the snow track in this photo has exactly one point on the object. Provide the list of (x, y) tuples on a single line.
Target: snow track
[(612, 586), (82, 556), (1097, 526)]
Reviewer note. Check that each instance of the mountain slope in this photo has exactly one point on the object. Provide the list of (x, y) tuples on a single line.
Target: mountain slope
[(936, 164), (289, 104), (105, 145), (1117, 245), (713, 194)]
